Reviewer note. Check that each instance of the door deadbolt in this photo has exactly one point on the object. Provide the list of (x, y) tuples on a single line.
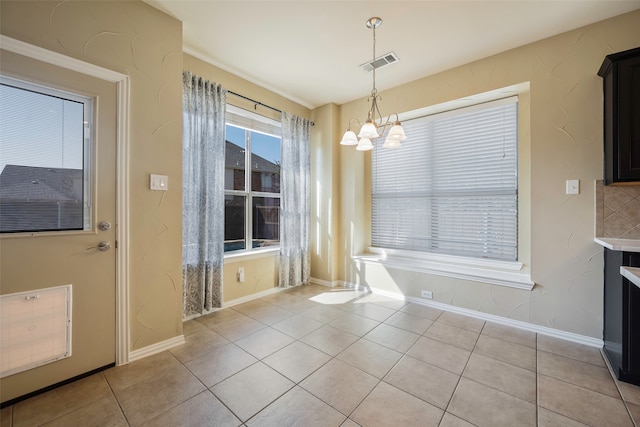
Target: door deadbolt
[(104, 225)]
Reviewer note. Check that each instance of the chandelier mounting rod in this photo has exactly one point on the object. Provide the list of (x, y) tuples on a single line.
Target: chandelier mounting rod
[(374, 23)]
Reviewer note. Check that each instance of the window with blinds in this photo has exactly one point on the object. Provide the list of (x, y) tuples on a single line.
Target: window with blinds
[(452, 188), (45, 157)]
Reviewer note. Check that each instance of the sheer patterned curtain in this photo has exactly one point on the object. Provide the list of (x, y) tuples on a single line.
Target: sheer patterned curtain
[(295, 206), (203, 141)]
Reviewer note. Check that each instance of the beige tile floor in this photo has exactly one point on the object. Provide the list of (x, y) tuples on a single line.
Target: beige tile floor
[(317, 356)]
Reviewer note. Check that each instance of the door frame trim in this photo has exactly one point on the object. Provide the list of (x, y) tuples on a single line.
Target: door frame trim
[(122, 82)]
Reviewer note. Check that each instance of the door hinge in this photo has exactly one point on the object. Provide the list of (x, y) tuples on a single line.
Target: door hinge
[(116, 244)]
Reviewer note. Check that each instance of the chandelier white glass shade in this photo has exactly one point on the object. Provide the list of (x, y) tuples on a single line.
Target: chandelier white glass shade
[(374, 127)]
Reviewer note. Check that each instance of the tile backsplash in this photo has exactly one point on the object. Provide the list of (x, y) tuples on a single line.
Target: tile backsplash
[(617, 210)]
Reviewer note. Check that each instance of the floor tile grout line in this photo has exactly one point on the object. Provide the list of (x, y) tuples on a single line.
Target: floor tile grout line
[(461, 374), (538, 374), (208, 389), (580, 386), (115, 397), (404, 354), (615, 382), (448, 343), (295, 384), (380, 380), (573, 359), (563, 416), (327, 403), (511, 342), (299, 383), (84, 406), (411, 394), (177, 404), (263, 408)]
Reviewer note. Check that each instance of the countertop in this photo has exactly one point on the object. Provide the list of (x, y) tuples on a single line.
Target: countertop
[(631, 273), (626, 245)]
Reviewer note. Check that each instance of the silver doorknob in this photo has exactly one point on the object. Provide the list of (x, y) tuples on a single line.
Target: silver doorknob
[(102, 246)]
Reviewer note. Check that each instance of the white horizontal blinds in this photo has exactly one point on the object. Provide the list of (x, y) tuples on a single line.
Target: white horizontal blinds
[(452, 186), (401, 187)]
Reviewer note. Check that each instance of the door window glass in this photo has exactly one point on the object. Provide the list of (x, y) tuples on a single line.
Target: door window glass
[(44, 158)]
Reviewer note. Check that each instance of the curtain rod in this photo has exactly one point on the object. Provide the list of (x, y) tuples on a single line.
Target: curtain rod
[(260, 103)]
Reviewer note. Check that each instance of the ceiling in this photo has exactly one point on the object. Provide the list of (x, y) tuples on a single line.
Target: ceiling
[(311, 51)]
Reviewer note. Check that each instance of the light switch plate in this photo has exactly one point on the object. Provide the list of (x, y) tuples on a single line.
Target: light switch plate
[(159, 182), (573, 186)]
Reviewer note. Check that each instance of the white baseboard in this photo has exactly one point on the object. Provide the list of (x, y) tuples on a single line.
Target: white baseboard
[(156, 348), (544, 330), (355, 287), (335, 283), (317, 281), (250, 297), (237, 301)]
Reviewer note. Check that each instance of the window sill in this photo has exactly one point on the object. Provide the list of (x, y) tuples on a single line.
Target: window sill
[(501, 273), (251, 254)]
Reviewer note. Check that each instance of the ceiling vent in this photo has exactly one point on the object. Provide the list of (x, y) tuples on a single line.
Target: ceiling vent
[(381, 61)]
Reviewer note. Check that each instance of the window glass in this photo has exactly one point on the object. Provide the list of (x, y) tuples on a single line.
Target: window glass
[(265, 163), (235, 158), (266, 221), (234, 222), (44, 152)]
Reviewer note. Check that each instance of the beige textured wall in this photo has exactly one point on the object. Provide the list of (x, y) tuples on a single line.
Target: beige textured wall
[(135, 39), (325, 206), (566, 143), (244, 87), (261, 273)]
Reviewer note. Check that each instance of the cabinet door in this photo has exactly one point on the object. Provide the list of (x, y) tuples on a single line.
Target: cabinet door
[(631, 357), (630, 369), (613, 313), (629, 120)]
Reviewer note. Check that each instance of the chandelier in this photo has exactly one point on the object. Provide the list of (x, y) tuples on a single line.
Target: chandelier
[(374, 126)]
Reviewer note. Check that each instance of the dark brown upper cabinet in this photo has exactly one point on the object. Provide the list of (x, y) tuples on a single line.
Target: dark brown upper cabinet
[(621, 81)]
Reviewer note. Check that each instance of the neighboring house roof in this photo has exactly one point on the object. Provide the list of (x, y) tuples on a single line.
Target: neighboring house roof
[(40, 184), (234, 156)]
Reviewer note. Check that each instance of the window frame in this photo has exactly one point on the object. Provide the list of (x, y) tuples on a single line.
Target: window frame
[(443, 196), (251, 123), (514, 274), (88, 165)]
